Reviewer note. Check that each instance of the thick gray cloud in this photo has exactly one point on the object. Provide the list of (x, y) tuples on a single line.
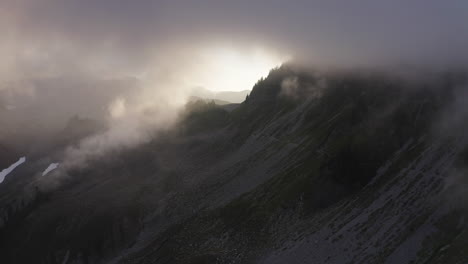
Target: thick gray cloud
[(78, 45), (330, 31)]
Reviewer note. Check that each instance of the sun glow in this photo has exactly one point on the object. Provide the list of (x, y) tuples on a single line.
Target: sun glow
[(224, 69)]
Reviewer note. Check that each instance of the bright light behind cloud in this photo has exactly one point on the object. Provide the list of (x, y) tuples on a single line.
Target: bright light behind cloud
[(225, 69)]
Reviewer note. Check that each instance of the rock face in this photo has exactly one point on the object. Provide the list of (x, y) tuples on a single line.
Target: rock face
[(311, 168)]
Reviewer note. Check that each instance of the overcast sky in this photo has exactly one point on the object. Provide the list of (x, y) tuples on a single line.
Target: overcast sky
[(129, 33)]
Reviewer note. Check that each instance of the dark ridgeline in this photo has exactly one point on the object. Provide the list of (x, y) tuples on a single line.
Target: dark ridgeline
[(296, 162)]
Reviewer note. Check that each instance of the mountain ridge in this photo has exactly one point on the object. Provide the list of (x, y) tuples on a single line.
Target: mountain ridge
[(325, 167)]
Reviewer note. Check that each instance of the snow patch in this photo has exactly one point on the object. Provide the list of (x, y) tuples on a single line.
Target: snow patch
[(51, 167), (8, 170)]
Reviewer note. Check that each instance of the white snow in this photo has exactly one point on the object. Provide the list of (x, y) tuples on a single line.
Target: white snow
[(51, 167), (8, 170)]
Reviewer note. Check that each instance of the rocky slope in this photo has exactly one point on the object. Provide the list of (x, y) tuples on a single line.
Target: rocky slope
[(314, 167)]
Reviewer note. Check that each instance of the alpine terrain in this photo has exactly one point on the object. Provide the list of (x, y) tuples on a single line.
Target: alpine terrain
[(314, 166)]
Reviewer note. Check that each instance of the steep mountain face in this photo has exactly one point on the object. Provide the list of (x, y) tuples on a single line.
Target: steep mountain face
[(311, 168)]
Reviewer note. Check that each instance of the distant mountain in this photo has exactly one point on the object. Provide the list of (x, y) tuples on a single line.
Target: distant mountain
[(216, 101), (228, 96), (314, 167)]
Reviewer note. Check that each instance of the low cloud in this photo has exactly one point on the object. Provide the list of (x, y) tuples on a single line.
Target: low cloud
[(132, 63)]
